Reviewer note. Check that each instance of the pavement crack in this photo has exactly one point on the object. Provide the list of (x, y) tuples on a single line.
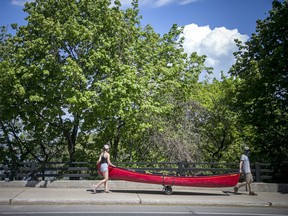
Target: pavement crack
[(140, 200), (191, 211), (11, 200)]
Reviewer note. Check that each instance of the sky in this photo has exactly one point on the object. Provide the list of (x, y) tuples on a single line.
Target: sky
[(210, 26)]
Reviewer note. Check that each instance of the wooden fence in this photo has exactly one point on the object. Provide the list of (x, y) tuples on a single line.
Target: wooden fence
[(262, 172)]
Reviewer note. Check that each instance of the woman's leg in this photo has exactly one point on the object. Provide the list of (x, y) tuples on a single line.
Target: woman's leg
[(105, 174), (106, 177)]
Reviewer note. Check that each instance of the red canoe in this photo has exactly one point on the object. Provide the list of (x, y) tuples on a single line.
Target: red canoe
[(223, 180)]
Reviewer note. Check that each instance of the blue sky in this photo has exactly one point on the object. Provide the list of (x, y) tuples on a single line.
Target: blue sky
[(210, 25), (233, 14)]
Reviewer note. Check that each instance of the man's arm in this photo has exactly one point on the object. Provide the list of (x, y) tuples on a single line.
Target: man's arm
[(240, 166)]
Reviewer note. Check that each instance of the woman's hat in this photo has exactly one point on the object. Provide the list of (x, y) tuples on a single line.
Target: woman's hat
[(106, 147)]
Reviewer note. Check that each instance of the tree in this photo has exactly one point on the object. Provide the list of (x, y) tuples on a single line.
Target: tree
[(83, 69), (8, 122), (217, 121), (172, 77), (262, 67)]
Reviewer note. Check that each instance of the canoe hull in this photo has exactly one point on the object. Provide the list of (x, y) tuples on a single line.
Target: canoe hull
[(224, 180)]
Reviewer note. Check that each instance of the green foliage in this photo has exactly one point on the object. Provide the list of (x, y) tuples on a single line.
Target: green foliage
[(217, 122), (85, 73), (262, 91), (82, 74)]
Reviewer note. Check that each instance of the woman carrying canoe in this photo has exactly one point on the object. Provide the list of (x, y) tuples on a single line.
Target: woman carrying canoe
[(104, 162)]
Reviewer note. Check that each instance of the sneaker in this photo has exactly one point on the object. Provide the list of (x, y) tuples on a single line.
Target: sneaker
[(252, 193), (236, 190)]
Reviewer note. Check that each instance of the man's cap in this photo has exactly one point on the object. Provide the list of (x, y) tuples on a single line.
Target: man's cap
[(246, 148), (106, 146)]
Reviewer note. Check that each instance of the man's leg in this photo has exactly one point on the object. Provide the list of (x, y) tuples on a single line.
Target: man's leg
[(250, 185)]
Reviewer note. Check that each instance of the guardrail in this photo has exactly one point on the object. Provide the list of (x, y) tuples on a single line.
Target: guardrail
[(262, 172)]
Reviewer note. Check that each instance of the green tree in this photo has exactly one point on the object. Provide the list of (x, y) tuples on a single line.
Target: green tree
[(262, 91), (172, 78), (217, 122), (87, 69)]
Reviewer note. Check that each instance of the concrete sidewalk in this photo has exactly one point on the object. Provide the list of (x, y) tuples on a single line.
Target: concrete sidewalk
[(136, 194)]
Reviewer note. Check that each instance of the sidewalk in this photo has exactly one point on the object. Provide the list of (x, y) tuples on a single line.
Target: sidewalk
[(146, 196)]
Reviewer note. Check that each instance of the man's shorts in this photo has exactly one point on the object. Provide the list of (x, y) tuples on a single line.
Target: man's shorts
[(248, 178)]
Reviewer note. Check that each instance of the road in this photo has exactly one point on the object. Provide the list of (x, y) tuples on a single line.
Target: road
[(139, 210)]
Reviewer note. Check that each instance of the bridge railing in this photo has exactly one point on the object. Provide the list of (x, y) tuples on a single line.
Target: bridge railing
[(262, 172)]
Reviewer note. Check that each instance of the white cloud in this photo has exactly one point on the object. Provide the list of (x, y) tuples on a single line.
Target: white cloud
[(20, 3), (127, 3), (184, 2), (157, 3), (217, 44)]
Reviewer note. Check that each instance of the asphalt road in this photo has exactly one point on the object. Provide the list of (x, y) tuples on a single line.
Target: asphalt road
[(119, 210)]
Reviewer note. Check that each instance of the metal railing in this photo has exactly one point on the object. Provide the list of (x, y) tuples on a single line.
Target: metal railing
[(262, 172)]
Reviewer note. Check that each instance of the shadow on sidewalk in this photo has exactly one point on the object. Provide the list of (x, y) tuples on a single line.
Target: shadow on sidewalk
[(182, 193)]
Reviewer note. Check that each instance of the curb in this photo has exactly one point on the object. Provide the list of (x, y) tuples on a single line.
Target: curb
[(56, 196), (258, 187)]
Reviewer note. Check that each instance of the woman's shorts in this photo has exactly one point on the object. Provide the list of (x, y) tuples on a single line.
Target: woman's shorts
[(103, 167)]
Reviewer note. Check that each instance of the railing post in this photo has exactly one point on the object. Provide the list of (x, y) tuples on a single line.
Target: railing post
[(180, 168), (43, 170), (32, 174), (6, 171), (257, 172)]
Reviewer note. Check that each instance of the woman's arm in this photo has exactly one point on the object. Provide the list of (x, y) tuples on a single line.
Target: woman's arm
[(108, 160), (99, 160)]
